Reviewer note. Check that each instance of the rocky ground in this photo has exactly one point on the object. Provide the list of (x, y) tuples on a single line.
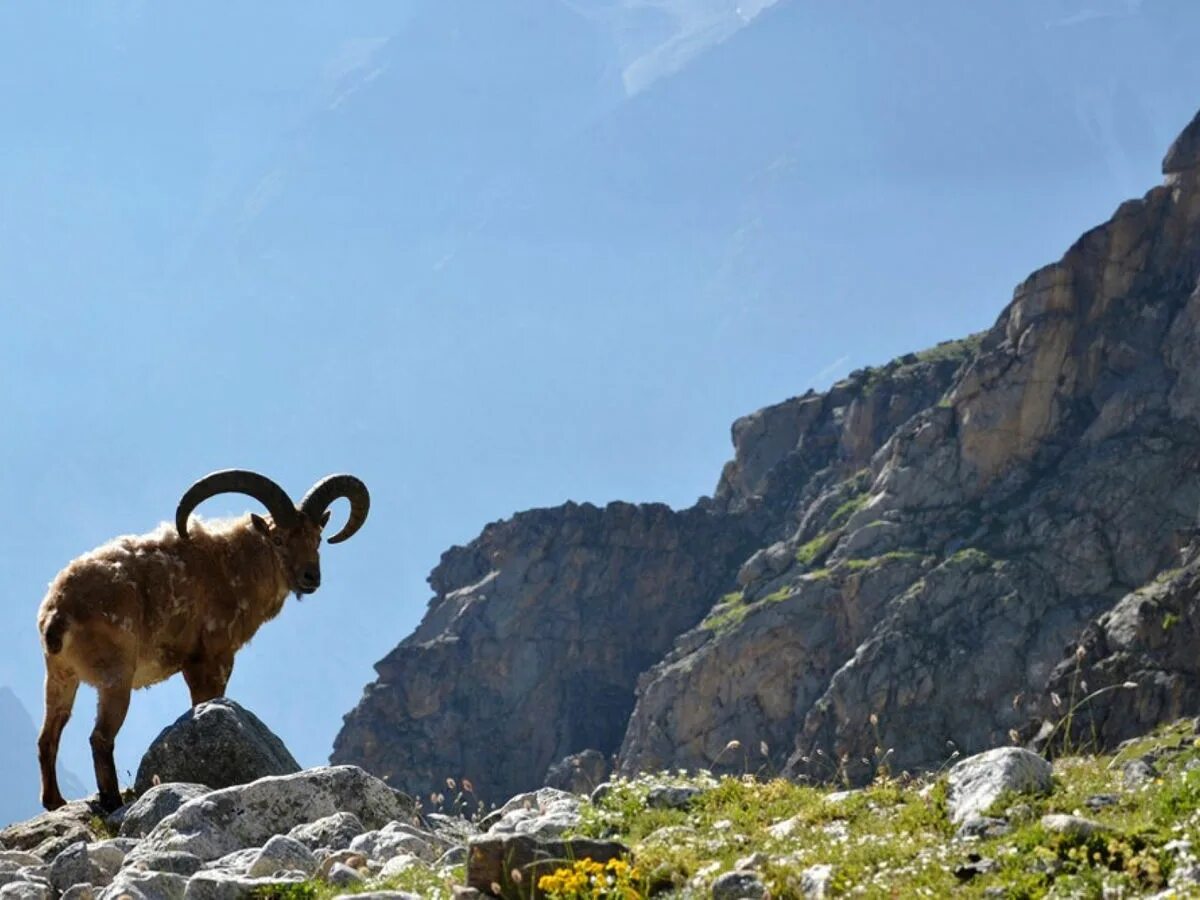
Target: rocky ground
[(1004, 823)]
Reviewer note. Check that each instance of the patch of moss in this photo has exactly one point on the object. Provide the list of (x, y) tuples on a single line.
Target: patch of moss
[(842, 514), (817, 547)]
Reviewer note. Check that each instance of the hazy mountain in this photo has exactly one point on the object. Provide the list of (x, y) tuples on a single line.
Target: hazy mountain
[(19, 781)]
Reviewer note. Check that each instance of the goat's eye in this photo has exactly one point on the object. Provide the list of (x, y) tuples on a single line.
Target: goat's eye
[(278, 541)]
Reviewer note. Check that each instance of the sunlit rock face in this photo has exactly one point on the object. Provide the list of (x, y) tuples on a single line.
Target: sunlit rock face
[(886, 576)]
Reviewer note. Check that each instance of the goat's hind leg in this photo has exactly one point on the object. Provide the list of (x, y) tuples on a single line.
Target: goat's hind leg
[(61, 687), (110, 716)]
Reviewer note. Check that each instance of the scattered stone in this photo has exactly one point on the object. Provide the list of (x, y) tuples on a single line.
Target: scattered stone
[(545, 813), (172, 863), (673, 796), (578, 773), (975, 865), (26, 890), (784, 829), (1100, 801), (146, 886), (218, 744), (213, 885), (249, 815), (341, 857), (754, 861), (1137, 772), (235, 863), (333, 832), (156, 804), (739, 886), (462, 892), (815, 881), (977, 827), (19, 859), (979, 781), (282, 854), (383, 845), (343, 876), (47, 835), (82, 863), (398, 864), (380, 895), (79, 892), (1019, 812), (1073, 826), (455, 856), (491, 859)]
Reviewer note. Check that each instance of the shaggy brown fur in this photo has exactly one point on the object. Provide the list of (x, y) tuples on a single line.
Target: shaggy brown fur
[(139, 609)]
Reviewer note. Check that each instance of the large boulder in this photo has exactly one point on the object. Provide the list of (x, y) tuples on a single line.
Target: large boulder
[(246, 816), (218, 744), (139, 818), (47, 835), (979, 781)]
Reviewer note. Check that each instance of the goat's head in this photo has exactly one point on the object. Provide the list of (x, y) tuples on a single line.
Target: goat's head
[(293, 530)]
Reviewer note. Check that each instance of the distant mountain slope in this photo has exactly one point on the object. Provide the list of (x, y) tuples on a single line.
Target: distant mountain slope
[(931, 533), (19, 781)]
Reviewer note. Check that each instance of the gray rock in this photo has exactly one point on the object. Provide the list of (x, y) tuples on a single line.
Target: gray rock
[(380, 846), (398, 864), (282, 854), (47, 835), (739, 886), (578, 773), (342, 875), (1100, 801), (979, 781), (173, 863), (333, 832), (1074, 826), (213, 885), (976, 827), (379, 895), (79, 892), (144, 885), (243, 816), (815, 881), (26, 890), (217, 744), (156, 804), (455, 856), (81, 863), (235, 863), (672, 796), (19, 859), (545, 813), (1138, 771), (610, 567), (1184, 153)]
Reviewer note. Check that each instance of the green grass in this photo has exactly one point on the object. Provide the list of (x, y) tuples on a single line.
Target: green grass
[(733, 608), (842, 514), (807, 552), (894, 838)]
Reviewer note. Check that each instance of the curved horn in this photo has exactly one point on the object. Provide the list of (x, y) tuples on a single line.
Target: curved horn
[(331, 488), (236, 481)]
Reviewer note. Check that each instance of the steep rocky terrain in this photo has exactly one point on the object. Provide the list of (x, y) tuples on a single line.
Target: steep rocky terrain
[(890, 570)]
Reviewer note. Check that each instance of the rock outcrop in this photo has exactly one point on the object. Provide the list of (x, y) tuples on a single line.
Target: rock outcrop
[(886, 576), (531, 649)]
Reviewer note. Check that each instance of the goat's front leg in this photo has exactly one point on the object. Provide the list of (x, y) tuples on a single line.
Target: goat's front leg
[(61, 686), (206, 678), (110, 716)]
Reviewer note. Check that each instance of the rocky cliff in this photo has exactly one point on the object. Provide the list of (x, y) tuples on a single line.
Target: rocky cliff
[(890, 570)]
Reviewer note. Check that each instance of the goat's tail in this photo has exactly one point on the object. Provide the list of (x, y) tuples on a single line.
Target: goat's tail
[(52, 633)]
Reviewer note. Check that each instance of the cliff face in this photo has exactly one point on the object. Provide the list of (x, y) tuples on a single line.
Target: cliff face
[(533, 643), (890, 569)]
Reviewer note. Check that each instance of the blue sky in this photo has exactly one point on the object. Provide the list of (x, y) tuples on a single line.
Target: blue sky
[(496, 256)]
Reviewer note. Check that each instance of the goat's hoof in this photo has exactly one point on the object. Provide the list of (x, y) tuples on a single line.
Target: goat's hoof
[(52, 803), (111, 802)]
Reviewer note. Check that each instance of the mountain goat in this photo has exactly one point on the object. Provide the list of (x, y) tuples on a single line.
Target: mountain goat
[(140, 608)]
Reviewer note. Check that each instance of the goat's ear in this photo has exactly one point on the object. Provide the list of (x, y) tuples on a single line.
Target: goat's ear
[(259, 522), (325, 518)]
